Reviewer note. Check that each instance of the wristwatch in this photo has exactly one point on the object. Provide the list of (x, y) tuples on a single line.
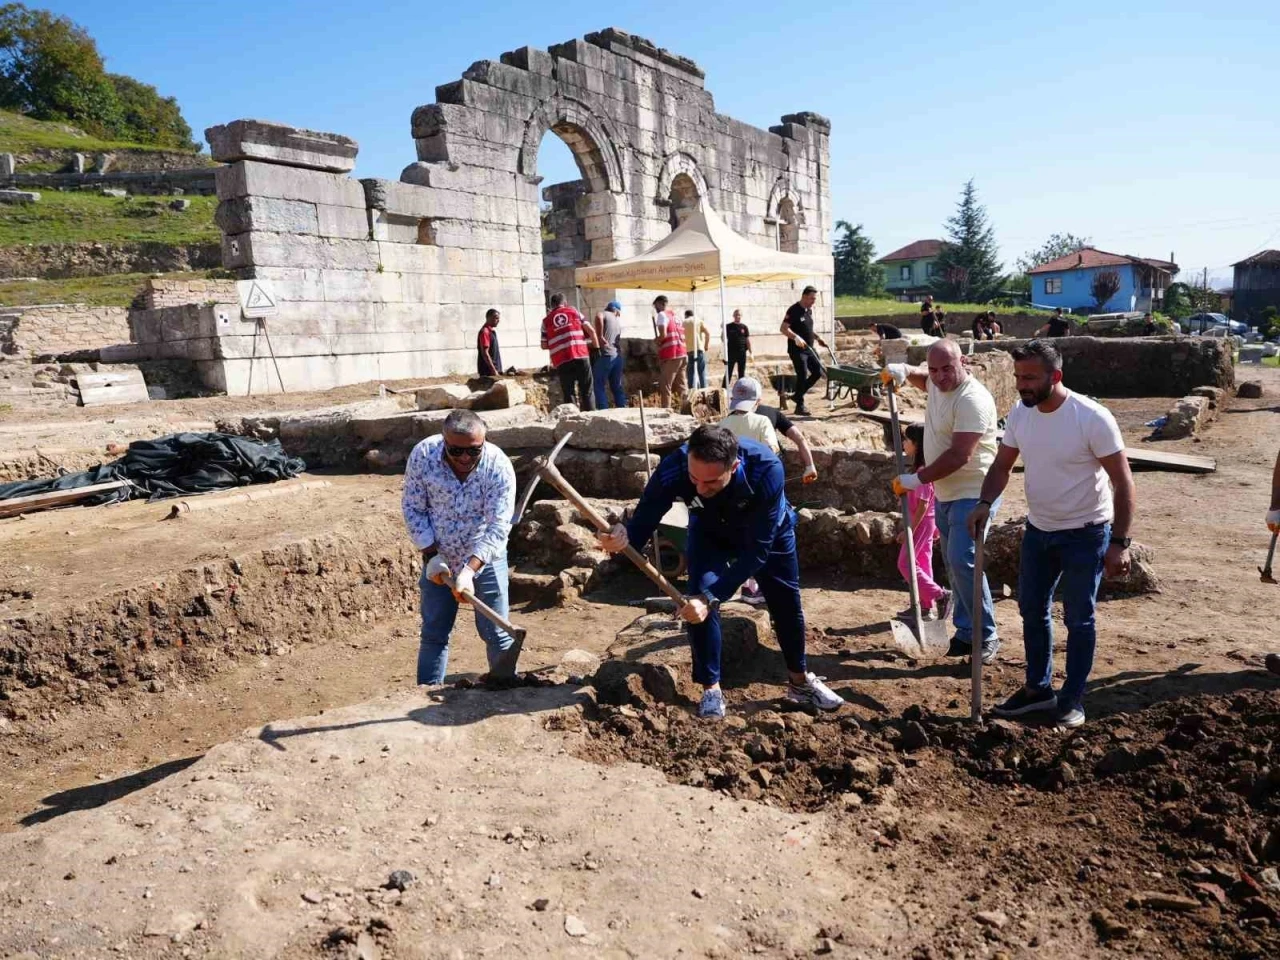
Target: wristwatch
[(712, 600), (1121, 542)]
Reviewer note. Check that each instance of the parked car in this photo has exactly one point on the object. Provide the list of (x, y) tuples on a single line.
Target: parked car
[(1202, 323)]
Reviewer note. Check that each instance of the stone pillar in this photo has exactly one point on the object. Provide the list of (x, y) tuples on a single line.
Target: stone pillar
[(78, 163), (8, 165)]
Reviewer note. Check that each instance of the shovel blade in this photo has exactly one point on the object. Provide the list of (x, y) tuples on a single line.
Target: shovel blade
[(932, 643)]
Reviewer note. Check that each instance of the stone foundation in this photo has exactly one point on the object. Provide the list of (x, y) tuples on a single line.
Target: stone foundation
[(53, 329)]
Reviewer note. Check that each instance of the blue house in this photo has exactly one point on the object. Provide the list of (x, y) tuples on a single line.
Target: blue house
[(1068, 281)]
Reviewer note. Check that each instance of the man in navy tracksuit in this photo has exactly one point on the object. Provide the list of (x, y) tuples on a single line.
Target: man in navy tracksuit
[(740, 526)]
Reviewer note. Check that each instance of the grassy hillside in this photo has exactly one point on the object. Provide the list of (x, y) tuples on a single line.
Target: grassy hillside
[(873, 306), (117, 290), (79, 217), (19, 134)]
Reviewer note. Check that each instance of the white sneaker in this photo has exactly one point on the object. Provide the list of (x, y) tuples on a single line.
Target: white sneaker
[(712, 705), (815, 692)]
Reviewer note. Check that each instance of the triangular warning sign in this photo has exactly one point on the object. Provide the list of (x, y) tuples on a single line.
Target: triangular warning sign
[(258, 299)]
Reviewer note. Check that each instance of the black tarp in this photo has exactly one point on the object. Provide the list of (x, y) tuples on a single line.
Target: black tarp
[(173, 466)]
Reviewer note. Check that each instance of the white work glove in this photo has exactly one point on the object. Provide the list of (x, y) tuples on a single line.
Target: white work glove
[(615, 541), (1273, 521), (896, 372), (810, 474), (437, 570), (905, 482), (465, 581)]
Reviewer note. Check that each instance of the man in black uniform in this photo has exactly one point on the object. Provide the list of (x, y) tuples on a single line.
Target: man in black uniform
[(797, 327), (1058, 326), (887, 331), (737, 346), (740, 525)]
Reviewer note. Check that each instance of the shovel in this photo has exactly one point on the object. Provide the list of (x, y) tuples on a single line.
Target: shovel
[(1266, 571), (923, 639), (975, 657)]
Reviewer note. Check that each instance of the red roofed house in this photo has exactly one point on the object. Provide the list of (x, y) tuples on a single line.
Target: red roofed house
[(1068, 281), (908, 272)]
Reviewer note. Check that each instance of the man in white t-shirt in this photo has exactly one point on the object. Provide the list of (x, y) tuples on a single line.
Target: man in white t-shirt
[(1077, 523), (959, 446)]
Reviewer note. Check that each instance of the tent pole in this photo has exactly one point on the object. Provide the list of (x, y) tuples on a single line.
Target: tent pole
[(724, 332)]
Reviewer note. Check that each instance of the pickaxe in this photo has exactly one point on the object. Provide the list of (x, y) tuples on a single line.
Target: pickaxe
[(545, 469), (506, 666), (1266, 571)]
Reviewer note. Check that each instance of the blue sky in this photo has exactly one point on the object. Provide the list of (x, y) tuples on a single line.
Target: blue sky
[(1151, 129)]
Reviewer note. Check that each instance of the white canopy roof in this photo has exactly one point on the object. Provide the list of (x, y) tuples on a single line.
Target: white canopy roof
[(698, 254)]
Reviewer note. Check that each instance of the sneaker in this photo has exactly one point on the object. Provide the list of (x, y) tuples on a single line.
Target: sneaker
[(751, 594), (712, 705), (1028, 701), (989, 651), (960, 648), (1069, 717), (908, 615), (943, 605), (815, 692)]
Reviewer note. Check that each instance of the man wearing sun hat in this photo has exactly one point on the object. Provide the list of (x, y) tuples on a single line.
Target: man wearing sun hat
[(608, 368)]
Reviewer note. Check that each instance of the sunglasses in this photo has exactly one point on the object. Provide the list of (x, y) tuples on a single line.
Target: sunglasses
[(459, 452)]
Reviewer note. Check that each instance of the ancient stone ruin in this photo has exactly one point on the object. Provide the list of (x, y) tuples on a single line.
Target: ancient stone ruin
[(371, 279)]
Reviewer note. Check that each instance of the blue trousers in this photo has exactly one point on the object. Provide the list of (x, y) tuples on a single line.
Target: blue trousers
[(1073, 557), (608, 370), (779, 582), (440, 610), (696, 370), (957, 546)]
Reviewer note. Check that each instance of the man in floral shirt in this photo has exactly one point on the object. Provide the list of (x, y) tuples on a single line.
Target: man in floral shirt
[(459, 493)]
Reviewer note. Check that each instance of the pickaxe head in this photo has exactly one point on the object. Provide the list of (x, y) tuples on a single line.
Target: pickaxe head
[(538, 465), (1266, 574)]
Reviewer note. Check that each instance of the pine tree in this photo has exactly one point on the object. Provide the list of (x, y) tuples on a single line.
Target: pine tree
[(968, 268), (857, 273)]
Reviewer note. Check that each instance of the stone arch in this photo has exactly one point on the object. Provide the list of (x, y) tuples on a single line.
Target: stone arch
[(676, 165), (592, 139)]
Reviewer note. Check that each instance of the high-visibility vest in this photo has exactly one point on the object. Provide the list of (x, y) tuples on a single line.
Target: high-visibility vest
[(671, 345), (562, 335)]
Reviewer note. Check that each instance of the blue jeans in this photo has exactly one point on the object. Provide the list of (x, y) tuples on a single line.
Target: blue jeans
[(957, 546), (779, 582), (440, 609), (608, 370), (1073, 557), (696, 371)]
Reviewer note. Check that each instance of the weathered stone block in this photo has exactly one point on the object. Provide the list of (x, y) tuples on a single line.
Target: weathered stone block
[(19, 197), (533, 436), (621, 430), (277, 143), (1185, 418), (443, 396), (1249, 390), (255, 179), (243, 214)]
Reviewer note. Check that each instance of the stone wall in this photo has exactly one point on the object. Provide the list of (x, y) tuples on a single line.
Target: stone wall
[(55, 261), (1146, 367), (958, 323), (141, 183), (60, 328), (391, 279), (161, 292)]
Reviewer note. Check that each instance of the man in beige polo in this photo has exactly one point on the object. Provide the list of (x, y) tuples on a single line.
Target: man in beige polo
[(959, 447)]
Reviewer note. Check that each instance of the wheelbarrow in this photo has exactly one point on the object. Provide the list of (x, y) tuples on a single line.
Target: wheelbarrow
[(672, 539), (862, 383)]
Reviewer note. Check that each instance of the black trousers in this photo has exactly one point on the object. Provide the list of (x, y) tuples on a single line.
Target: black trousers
[(808, 372), (737, 358), (577, 373)]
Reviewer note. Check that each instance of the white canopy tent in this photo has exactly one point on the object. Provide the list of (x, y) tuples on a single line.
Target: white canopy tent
[(700, 253)]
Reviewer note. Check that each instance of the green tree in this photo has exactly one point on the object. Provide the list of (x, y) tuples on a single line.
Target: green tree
[(147, 117), (968, 267), (50, 69), (1058, 245), (1177, 300), (857, 273)]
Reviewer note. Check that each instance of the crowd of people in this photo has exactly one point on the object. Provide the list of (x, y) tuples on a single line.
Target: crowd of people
[(1080, 497)]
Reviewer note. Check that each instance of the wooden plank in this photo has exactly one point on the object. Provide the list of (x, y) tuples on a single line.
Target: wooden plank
[(125, 393), (1178, 462), (55, 498)]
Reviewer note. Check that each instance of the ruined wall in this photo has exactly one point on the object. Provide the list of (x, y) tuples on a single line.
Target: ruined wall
[(56, 261), (152, 183), (384, 279), (60, 328), (163, 292), (1147, 367)]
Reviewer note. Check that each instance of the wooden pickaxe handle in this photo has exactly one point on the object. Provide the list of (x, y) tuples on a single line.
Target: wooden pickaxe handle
[(553, 477), (490, 614)]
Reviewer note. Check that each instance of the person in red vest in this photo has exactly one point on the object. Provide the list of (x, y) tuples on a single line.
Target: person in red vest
[(672, 354), (570, 341)]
